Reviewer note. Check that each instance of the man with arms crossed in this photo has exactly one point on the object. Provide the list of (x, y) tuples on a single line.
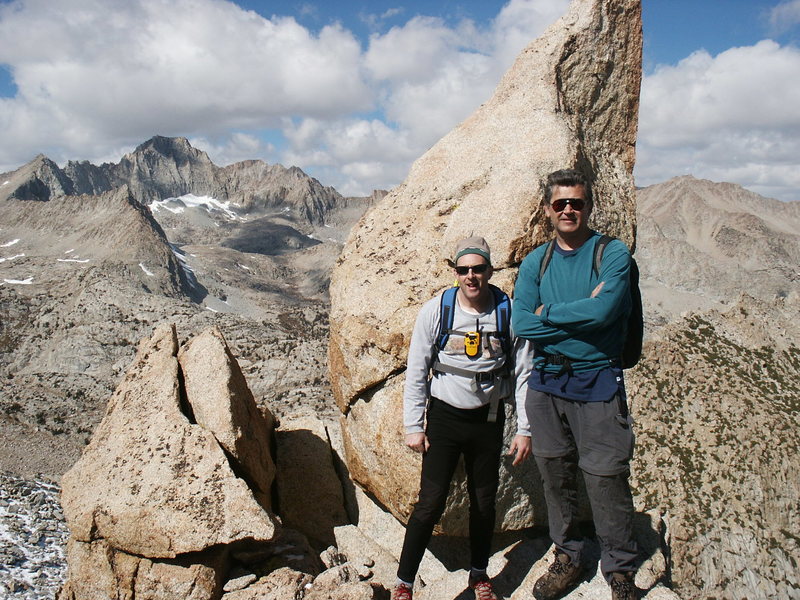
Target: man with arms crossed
[(576, 401), (472, 374)]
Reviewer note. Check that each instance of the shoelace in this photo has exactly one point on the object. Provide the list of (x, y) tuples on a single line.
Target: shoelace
[(558, 567), (401, 592), (484, 591)]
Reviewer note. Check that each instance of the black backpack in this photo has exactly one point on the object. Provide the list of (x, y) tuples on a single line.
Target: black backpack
[(632, 348)]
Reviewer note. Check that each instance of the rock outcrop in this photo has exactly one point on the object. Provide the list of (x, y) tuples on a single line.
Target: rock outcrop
[(165, 482), (717, 405), (570, 99)]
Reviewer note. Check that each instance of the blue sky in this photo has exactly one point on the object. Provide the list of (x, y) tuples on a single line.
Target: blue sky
[(353, 92)]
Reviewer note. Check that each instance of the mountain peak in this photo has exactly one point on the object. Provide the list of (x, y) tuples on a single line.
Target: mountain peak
[(177, 148)]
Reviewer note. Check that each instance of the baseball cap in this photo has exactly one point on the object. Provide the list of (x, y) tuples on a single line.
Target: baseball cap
[(472, 245)]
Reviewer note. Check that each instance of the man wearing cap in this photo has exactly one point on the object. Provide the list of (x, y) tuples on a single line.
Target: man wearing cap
[(576, 315), (457, 379)]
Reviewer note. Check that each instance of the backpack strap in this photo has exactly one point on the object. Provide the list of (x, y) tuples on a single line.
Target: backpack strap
[(599, 248), (447, 309), (548, 255), (502, 307)]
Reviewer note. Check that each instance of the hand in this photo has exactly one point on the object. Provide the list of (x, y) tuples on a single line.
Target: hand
[(521, 446), (596, 290), (538, 311), (418, 442)]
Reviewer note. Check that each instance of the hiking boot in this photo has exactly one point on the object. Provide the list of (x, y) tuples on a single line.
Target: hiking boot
[(622, 587), (562, 575), (402, 592), (482, 586)]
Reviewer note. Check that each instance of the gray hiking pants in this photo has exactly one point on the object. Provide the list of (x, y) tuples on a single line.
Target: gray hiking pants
[(567, 436)]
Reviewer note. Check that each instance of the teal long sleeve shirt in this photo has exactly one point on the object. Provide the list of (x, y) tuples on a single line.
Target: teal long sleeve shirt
[(589, 331)]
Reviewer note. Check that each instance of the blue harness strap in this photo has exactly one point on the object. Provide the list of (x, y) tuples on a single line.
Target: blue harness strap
[(447, 308)]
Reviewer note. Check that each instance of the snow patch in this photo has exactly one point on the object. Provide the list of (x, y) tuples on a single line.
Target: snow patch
[(11, 257), (34, 537), (6, 182), (211, 309), (8, 244), (179, 204), (187, 270), (244, 267), (70, 250), (146, 272), (77, 260), (27, 281)]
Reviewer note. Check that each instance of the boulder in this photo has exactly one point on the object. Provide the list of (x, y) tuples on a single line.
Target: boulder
[(342, 582), (282, 584), (222, 403), (570, 99), (155, 493), (97, 570)]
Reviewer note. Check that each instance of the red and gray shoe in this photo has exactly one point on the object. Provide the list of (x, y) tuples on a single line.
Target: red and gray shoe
[(402, 592), (482, 586)]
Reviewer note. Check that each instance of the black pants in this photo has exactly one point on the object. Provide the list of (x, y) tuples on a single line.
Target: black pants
[(452, 432)]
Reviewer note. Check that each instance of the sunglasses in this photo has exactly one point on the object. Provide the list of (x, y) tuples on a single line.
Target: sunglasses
[(561, 204), (477, 269)]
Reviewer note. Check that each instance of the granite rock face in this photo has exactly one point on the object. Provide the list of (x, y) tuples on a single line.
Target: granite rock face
[(570, 99), (167, 480), (221, 402)]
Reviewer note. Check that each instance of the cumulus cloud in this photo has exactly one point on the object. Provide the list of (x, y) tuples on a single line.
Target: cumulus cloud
[(236, 147), (730, 117), (94, 78), (784, 16), (91, 71)]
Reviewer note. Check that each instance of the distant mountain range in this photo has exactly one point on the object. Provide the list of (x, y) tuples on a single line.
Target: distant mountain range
[(701, 244), (165, 167), (93, 257)]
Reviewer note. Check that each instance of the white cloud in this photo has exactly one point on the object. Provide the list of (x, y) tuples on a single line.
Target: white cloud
[(429, 77), (732, 117), (98, 77), (236, 147), (94, 72), (784, 16)]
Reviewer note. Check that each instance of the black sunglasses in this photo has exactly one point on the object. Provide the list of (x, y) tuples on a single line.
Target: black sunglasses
[(477, 269), (561, 204)]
